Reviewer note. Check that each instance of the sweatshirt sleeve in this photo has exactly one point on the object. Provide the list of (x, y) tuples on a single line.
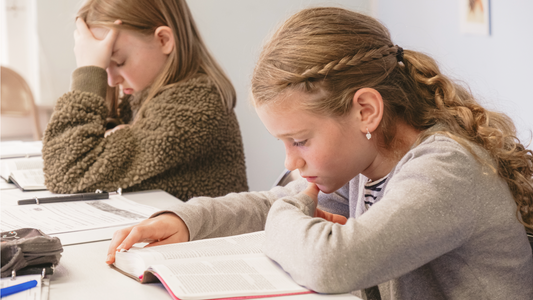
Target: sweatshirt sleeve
[(177, 128), (235, 213), (422, 215)]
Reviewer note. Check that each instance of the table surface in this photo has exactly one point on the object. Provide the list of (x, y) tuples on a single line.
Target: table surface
[(83, 274)]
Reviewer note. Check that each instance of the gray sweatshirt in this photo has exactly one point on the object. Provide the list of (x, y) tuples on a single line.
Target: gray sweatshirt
[(444, 227)]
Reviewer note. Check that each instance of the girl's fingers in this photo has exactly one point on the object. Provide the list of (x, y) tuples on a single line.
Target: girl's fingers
[(118, 127), (312, 191), (112, 34), (138, 234), (163, 229), (82, 27), (176, 238), (330, 217), (125, 238), (118, 237)]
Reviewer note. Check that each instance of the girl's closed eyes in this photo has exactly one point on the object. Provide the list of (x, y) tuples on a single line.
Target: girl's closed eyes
[(299, 144), (120, 151)]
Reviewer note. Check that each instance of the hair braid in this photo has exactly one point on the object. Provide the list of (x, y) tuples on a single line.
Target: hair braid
[(465, 120), (346, 62)]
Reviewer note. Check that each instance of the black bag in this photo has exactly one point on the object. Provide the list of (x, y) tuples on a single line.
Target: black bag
[(29, 251)]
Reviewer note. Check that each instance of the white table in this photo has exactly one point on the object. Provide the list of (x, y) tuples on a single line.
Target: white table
[(83, 274)]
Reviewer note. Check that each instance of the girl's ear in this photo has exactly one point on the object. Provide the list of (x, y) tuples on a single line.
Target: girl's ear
[(369, 104), (165, 38)]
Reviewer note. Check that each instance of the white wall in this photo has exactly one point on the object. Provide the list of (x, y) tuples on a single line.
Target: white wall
[(55, 29), (498, 68), (37, 42)]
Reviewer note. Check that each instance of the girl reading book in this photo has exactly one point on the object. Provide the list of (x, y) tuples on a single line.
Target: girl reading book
[(431, 192), (169, 123)]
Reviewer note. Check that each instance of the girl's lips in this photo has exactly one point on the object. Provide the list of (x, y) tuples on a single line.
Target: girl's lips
[(128, 91), (310, 178)]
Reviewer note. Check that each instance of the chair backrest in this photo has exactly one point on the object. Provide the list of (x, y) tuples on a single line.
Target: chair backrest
[(286, 177), (17, 99)]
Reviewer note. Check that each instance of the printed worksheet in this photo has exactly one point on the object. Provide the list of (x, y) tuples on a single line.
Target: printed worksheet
[(63, 217)]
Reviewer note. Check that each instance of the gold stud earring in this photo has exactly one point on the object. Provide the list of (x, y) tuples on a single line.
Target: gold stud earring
[(368, 135)]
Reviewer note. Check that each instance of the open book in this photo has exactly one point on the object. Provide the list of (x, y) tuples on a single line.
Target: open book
[(220, 268), (25, 173)]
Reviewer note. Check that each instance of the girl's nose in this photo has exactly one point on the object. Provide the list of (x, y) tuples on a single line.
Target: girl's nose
[(293, 161), (113, 78)]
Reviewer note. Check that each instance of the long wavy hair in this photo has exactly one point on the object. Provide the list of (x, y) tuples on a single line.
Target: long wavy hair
[(337, 52), (190, 55)]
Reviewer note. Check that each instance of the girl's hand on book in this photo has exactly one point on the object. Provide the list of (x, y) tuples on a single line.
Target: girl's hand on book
[(90, 50), (163, 229)]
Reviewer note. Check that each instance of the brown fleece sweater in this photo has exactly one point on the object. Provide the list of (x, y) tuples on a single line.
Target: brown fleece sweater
[(186, 144)]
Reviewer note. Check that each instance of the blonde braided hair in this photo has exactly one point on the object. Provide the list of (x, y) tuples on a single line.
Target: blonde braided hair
[(334, 52), (349, 61)]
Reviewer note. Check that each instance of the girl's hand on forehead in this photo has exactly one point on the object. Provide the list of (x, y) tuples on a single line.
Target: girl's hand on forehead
[(91, 51)]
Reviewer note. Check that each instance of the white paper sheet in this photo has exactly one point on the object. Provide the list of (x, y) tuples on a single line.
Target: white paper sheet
[(30, 294), (6, 186), (12, 149), (11, 196), (65, 217)]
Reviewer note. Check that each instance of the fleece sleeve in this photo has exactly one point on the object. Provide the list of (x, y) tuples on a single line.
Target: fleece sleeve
[(232, 214), (173, 131)]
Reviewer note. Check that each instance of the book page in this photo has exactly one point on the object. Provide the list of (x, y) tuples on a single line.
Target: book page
[(136, 260), (32, 179), (25, 163), (7, 166), (221, 277)]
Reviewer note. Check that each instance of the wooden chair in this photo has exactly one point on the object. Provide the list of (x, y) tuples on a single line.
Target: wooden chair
[(17, 100)]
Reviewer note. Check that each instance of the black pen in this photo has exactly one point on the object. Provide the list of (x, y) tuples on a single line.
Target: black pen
[(66, 198)]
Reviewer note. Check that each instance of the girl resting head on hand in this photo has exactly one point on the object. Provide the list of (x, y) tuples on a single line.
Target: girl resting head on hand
[(149, 107), (160, 39), (329, 61)]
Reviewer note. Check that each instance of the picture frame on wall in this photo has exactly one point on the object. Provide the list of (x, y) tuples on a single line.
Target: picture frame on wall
[(475, 17)]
